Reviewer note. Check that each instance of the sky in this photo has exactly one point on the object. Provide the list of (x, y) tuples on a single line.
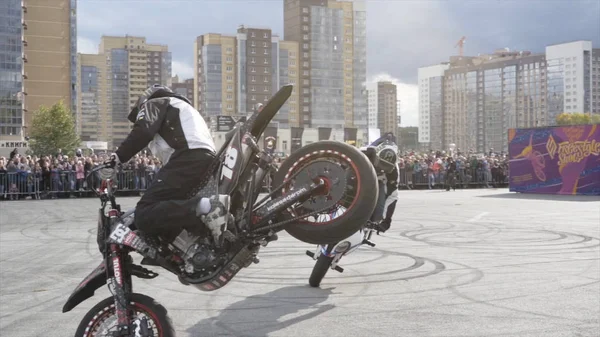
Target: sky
[(402, 35)]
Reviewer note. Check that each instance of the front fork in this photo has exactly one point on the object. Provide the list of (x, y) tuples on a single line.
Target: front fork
[(120, 286)]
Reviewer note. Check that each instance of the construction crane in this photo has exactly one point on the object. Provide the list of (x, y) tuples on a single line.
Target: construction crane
[(460, 45)]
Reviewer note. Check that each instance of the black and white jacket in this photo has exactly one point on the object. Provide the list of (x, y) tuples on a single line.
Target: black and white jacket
[(166, 125)]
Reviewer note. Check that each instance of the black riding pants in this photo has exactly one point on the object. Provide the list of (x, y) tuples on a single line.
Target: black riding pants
[(166, 207)]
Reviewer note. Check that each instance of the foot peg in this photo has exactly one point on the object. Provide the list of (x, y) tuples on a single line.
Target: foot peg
[(149, 262), (339, 269), (368, 243), (142, 272), (311, 254)]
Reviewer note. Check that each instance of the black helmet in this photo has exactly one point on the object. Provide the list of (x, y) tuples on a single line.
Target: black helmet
[(155, 91)]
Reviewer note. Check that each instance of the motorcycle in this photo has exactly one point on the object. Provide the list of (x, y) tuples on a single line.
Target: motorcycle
[(318, 178), (383, 158)]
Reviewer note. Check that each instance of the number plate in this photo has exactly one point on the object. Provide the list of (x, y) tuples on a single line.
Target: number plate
[(119, 233)]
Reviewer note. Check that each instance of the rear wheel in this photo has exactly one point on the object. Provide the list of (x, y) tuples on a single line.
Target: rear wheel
[(346, 202), (319, 271), (101, 320)]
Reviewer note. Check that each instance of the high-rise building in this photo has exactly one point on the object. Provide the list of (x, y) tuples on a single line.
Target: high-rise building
[(11, 70), (596, 80), (570, 66), (235, 73), (184, 88), (332, 40), (257, 66), (35, 72), (289, 74), (431, 103), (92, 85), (383, 106), (124, 67), (215, 72), (484, 96)]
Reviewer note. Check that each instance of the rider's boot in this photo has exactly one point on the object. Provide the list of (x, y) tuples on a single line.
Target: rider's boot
[(215, 214)]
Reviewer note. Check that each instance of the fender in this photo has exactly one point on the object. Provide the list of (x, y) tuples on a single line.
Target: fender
[(86, 289)]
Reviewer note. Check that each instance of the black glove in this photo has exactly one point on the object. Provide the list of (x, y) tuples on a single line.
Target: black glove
[(112, 161)]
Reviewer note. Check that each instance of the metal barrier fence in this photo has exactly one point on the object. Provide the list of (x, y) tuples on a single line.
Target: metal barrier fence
[(69, 184)]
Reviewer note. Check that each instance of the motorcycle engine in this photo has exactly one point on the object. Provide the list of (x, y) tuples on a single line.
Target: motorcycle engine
[(197, 255)]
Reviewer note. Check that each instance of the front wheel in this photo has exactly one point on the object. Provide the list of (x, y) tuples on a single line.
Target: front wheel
[(344, 204), (320, 270), (101, 320)]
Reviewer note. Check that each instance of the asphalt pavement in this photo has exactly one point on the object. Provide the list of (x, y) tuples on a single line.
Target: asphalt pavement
[(467, 263)]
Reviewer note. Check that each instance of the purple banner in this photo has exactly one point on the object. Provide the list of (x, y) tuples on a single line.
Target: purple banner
[(555, 160)]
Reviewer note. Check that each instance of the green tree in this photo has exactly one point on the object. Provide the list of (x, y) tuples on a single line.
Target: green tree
[(575, 118), (52, 129), (596, 119)]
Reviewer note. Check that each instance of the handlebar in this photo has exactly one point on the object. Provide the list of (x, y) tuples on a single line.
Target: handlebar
[(94, 170)]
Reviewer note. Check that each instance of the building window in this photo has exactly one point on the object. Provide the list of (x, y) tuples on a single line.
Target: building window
[(266, 89), (229, 97), (305, 28), (252, 88), (284, 145), (253, 34), (266, 52), (264, 44), (253, 98), (305, 46), (252, 60), (253, 43), (305, 18), (266, 79), (305, 36), (253, 51), (229, 59), (253, 79), (305, 10), (305, 64), (252, 69), (266, 61), (266, 70), (266, 35), (229, 68)]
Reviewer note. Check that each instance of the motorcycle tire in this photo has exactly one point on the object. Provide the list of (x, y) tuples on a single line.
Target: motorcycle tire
[(141, 303), (358, 209), (319, 271)]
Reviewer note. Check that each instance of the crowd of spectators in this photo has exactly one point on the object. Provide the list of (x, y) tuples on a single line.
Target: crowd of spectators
[(487, 170), (60, 175)]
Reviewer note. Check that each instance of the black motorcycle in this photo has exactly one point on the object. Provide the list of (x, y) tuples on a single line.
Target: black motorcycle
[(319, 178)]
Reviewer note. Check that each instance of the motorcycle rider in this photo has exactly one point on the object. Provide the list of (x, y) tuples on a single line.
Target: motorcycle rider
[(388, 185), (177, 134)]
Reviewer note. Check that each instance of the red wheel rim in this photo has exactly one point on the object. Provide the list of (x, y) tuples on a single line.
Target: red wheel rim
[(306, 159), (107, 312)]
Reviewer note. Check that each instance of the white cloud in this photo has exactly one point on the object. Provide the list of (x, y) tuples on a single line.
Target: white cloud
[(408, 94), (183, 70), (86, 46)]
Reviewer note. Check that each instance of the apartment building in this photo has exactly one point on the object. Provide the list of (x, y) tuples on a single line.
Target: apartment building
[(595, 81), (431, 103), (383, 106), (332, 47), (570, 66), (215, 72), (37, 60), (110, 83), (184, 88), (235, 73), (484, 96)]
